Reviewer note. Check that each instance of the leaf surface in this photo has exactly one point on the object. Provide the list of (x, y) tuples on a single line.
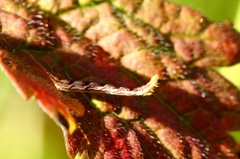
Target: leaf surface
[(120, 45)]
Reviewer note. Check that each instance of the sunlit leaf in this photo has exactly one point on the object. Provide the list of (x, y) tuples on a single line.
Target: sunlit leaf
[(90, 65)]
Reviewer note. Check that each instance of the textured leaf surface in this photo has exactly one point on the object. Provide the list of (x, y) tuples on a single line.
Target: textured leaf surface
[(124, 44)]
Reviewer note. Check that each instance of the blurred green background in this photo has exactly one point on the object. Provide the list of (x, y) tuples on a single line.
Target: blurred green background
[(27, 133)]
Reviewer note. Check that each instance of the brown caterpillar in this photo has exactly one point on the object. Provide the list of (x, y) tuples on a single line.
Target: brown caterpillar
[(80, 86)]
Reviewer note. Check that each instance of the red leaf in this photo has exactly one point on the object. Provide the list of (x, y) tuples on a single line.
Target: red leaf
[(88, 67)]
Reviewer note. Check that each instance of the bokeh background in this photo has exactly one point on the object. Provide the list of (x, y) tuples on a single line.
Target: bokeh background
[(27, 133)]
